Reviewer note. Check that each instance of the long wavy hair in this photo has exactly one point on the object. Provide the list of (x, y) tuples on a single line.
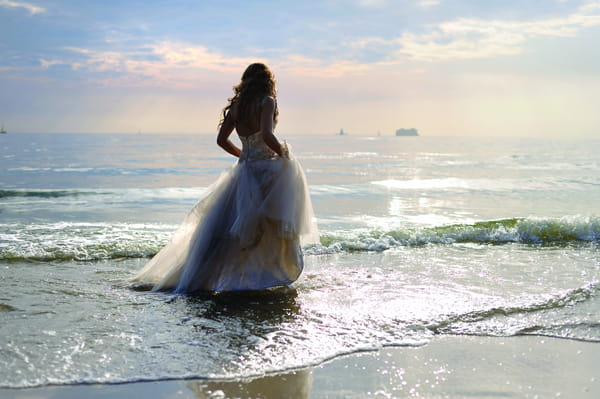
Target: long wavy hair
[(257, 82)]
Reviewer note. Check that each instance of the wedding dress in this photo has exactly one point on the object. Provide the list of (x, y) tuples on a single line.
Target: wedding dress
[(245, 233)]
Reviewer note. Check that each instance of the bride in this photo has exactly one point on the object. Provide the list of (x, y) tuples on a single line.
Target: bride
[(247, 230)]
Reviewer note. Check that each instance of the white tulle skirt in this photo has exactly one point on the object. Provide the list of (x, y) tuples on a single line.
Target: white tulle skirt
[(245, 233)]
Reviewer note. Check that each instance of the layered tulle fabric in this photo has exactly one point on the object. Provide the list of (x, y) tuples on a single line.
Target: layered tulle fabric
[(245, 233)]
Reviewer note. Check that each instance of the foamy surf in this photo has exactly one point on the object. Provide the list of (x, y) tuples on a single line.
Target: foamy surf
[(95, 241)]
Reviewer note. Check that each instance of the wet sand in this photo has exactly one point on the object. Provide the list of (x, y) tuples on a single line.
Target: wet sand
[(447, 367)]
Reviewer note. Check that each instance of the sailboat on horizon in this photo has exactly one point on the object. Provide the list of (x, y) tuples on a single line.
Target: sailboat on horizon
[(2, 129)]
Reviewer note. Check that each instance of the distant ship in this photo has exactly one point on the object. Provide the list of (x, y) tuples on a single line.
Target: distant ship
[(342, 133), (3, 130), (407, 132)]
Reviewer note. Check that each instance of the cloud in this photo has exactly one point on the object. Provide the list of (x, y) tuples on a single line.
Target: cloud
[(470, 38), (184, 65), (382, 3), (182, 55), (179, 64), (160, 64), (163, 54), (428, 3), (590, 6), (371, 3), (305, 66), (33, 9), (45, 64)]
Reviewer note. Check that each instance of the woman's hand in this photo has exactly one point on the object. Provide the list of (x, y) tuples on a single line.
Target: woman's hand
[(285, 150)]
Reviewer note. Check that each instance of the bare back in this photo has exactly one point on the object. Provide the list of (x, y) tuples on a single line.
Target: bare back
[(252, 125), (261, 120)]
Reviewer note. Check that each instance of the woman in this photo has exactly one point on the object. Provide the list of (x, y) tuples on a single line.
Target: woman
[(246, 233)]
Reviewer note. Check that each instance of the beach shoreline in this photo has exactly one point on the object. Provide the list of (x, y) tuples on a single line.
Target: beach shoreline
[(447, 367)]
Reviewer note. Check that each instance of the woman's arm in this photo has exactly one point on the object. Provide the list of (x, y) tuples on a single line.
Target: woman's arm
[(223, 136), (266, 125)]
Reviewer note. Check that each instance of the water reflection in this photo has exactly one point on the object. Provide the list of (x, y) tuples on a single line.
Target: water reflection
[(271, 306), (242, 333), (294, 385)]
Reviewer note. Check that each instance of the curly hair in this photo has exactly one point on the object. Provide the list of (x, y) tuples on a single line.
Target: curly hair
[(257, 82)]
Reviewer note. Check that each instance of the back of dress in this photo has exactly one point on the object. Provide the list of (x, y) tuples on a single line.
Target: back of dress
[(254, 148), (245, 233)]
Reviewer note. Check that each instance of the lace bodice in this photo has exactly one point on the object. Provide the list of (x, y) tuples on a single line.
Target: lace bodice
[(254, 148)]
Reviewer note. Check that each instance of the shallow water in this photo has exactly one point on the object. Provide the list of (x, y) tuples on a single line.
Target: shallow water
[(419, 236)]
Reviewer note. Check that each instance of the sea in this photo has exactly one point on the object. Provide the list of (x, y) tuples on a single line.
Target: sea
[(419, 237)]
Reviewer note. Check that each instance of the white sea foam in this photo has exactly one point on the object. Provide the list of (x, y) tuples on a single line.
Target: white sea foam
[(94, 241)]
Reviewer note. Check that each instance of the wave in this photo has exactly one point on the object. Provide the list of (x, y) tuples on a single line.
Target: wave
[(47, 193), (582, 331), (81, 241), (116, 194), (96, 241), (498, 185), (565, 230), (454, 323), (524, 319)]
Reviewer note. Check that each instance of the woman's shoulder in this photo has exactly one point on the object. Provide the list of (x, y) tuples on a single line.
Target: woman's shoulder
[(268, 101), (233, 110)]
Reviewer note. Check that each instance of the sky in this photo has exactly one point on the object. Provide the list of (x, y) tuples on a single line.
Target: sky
[(524, 68)]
